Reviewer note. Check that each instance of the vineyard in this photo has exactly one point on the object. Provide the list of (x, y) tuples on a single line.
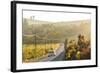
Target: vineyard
[(32, 51)]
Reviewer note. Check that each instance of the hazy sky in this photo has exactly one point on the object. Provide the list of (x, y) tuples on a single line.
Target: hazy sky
[(56, 16)]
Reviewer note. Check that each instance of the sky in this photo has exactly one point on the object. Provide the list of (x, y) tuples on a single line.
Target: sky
[(56, 16)]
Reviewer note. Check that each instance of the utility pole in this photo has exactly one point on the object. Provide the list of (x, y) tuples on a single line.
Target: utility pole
[(34, 41)]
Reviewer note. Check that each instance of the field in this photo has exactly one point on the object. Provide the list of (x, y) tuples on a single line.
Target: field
[(32, 51)]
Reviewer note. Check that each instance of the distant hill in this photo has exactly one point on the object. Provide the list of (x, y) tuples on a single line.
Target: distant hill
[(30, 22), (57, 30)]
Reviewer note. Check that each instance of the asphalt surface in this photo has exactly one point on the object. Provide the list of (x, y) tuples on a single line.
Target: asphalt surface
[(60, 55)]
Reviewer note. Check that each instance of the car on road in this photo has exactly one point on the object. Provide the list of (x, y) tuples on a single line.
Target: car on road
[(51, 53)]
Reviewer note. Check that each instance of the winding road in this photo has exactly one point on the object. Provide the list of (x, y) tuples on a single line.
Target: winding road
[(60, 55)]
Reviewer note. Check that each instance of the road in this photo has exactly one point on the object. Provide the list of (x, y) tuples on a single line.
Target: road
[(60, 55)]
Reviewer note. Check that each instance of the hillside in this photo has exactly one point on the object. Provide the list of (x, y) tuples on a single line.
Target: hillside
[(56, 30)]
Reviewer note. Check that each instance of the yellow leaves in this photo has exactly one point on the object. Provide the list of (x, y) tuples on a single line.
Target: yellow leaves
[(32, 51), (78, 55)]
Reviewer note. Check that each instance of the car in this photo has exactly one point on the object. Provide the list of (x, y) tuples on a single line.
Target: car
[(51, 53)]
